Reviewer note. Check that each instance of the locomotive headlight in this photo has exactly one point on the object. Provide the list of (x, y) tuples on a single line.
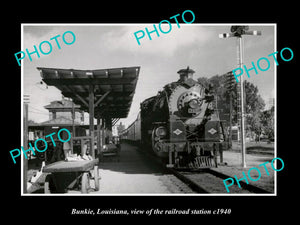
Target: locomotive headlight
[(193, 103), (161, 132)]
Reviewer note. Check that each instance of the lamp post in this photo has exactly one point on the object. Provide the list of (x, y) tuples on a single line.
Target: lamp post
[(238, 32)]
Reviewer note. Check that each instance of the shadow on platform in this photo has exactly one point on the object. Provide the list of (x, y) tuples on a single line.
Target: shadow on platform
[(132, 161)]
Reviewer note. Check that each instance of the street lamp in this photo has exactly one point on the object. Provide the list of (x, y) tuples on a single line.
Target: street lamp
[(238, 32)]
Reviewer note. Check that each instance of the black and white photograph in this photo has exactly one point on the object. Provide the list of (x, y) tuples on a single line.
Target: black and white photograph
[(132, 113), (124, 109)]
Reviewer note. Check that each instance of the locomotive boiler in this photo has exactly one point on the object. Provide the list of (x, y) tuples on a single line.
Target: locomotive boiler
[(181, 124)]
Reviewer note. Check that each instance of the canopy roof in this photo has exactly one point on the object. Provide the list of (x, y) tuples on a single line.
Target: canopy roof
[(113, 89)]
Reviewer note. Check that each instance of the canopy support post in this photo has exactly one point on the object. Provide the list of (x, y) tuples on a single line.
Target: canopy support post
[(91, 119), (99, 141)]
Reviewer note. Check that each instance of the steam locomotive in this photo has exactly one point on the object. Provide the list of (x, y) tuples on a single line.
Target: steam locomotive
[(180, 124)]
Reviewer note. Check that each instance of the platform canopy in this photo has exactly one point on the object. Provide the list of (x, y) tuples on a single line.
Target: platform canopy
[(112, 89)]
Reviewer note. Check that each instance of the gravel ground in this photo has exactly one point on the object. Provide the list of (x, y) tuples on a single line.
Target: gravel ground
[(263, 148), (214, 185), (233, 167)]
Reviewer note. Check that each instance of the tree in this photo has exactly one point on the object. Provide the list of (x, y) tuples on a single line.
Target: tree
[(204, 81), (254, 124), (222, 97), (267, 120), (253, 101), (254, 104)]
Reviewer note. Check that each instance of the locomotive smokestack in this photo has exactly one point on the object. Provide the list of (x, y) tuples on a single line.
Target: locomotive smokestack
[(186, 74)]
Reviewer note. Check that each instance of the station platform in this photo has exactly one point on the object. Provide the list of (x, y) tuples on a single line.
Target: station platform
[(135, 174)]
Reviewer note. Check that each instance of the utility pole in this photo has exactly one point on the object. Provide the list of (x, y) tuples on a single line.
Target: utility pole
[(238, 31), (230, 85)]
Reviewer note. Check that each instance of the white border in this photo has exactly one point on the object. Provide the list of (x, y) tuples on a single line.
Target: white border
[(139, 24), (22, 112)]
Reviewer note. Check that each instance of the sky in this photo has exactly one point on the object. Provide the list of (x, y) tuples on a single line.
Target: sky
[(101, 46)]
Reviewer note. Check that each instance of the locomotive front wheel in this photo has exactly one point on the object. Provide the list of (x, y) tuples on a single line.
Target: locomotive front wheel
[(156, 145), (85, 182), (155, 142)]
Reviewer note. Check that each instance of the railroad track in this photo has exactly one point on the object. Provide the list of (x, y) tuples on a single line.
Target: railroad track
[(211, 181), (208, 180)]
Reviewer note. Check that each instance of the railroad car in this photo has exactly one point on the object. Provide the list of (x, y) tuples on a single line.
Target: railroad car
[(181, 124)]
